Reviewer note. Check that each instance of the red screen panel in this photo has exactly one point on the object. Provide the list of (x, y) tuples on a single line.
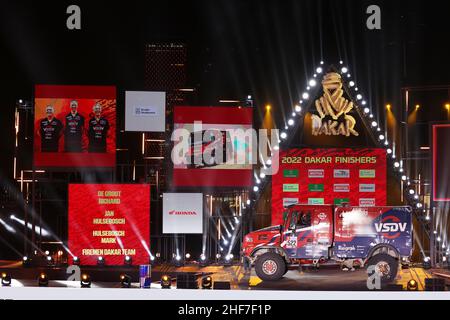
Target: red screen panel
[(109, 220), (80, 136), (441, 160), (219, 118), (329, 176)]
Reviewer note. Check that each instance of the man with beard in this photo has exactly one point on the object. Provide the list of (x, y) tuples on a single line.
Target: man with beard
[(50, 131), (98, 131), (73, 130)]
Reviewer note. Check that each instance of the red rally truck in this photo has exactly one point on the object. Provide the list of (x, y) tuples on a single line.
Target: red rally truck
[(326, 234)]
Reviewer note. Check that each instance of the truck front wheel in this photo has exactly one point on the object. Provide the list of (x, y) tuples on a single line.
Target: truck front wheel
[(385, 265), (270, 266)]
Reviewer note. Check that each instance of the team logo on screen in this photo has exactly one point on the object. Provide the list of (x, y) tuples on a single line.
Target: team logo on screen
[(366, 202), (182, 213), (332, 116), (364, 173), (341, 187), (341, 173), (290, 187), (316, 173), (366, 187)]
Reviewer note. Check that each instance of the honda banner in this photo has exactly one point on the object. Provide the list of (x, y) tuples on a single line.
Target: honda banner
[(182, 213)]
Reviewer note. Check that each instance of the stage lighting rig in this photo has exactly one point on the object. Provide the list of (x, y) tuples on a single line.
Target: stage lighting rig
[(43, 280), (76, 260), (100, 261), (125, 281), (25, 261), (85, 281), (203, 260), (166, 282), (207, 282), (6, 279), (178, 261), (128, 260), (412, 285)]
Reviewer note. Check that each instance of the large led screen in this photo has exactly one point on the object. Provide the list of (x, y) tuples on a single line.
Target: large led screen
[(231, 125), (109, 221), (75, 126), (329, 176)]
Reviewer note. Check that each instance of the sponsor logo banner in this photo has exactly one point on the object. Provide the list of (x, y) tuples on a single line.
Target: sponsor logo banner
[(316, 201), (364, 173), (366, 187), (182, 213), (341, 173), (315, 187), (316, 173), (341, 187), (290, 173), (289, 201), (366, 202), (339, 201), (290, 187), (145, 111)]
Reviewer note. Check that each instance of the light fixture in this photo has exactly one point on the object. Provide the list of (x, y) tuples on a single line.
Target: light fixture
[(381, 137), (166, 282), (6, 279), (312, 83), (291, 122), (305, 95), (262, 175), (85, 281), (100, 261), (319, 70), (366, 110), (412, 285), (404, 178), (43, 280), (47, 252), (76, 260), (207, 282), (128, 260), (389, 151), (188, 255), (298, 108), (374, 123), (344, 70), (351, 83), (283, 135), (411, 191), (125, 281), (25, 261), (396, 164), (255, 188)]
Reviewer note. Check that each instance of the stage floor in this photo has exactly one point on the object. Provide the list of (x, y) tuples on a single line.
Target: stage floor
[(307, 284)]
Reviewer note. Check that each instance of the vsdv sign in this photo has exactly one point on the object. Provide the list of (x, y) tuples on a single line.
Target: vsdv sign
[(391, 227)]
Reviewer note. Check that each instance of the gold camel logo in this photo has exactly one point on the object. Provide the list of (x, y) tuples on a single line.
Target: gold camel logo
[(333, 109)]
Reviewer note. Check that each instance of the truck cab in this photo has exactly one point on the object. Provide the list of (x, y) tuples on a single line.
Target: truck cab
[(318, 234)]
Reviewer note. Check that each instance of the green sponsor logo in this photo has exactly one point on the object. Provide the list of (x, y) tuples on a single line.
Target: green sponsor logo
[(367, 173), (290, 173), (290, 187), (316, 201), (315, 187), (339, 201)]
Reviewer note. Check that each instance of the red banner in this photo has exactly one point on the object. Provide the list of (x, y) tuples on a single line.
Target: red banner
[(109, 220), (329, 176), (74, 126)]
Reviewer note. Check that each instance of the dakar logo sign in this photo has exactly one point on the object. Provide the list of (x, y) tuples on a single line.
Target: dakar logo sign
[(333, 109)]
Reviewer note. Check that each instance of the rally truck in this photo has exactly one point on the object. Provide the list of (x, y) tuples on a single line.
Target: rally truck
[(345, 236)]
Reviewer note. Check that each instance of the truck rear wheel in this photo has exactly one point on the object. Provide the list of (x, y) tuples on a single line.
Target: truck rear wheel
[(385, 265), (270, 266)]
